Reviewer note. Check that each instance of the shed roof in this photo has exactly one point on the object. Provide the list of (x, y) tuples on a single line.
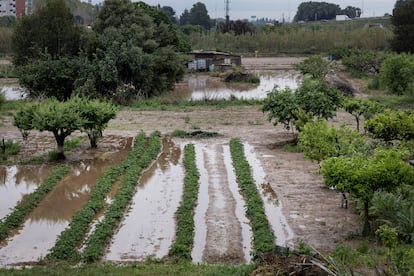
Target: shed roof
[(203, 52)]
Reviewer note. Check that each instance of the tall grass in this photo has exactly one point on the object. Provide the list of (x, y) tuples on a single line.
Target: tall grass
[(5, 41), (295, 39)]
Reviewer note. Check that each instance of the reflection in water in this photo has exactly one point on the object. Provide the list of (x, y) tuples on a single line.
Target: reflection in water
[(273, 208), (149, 227), (53, 214), (203, 87), (18, 181)]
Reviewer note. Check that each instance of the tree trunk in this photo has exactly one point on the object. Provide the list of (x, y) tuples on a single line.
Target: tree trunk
[(366, 231), (60, 141), (357, 121), (93, 136)]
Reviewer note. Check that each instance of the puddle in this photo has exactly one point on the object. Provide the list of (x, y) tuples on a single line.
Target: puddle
[(148, 229), (13, 93), (273, 207), (220, 212), (18, 181), (38, 234), (202, 87)]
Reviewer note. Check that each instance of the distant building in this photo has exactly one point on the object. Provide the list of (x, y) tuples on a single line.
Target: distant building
[(209, 60), (12, 8), (342, 17), (29, 6)]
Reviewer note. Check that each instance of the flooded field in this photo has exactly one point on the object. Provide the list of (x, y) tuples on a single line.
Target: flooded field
[(42, 226), (203, 87)]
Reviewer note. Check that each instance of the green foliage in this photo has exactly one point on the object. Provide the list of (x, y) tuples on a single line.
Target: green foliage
[(315, 66), (263, 237), (391, 125), (199, 16), (387, 235), (319, 141), (397, 74), (182, 246), (313, 11), (50, 29), (99, 239), (7, 70), (363, 176), (127, 52), (403, 21), (8, 147), (361, 107), (281, 105), (184, 268), (28, 203), (68, 242), (363, 61), (46, 77), (6, 41)]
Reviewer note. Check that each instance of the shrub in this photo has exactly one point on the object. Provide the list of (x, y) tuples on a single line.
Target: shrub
[(397, 74)]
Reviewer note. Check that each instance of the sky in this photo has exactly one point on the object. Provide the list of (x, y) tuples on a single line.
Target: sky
[(273, 9)]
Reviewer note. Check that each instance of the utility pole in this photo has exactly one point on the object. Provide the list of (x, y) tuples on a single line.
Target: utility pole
[(227, 2)]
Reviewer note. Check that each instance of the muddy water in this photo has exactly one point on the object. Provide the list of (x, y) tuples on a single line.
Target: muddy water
[(18, 181), (201, 87), (38, 234), (149, 227), (221, 229), (273, 208)]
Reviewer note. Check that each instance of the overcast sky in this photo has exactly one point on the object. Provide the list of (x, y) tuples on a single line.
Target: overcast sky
[(274, 9)]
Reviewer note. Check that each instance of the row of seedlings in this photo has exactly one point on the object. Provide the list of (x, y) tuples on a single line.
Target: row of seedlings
[(28, 203), (70, 240), (101, 236), (263, 237), (180, 250)]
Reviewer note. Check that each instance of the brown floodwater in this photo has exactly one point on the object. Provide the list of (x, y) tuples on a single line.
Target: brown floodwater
[(148, 229), (273, 208), (202, 87), (42, 226), (222, 231), (18, 181)]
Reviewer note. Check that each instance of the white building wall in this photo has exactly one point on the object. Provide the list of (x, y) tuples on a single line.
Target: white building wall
[(7, 7)]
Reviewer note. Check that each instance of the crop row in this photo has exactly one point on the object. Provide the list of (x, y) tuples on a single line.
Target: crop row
[(68, 242), (28, 203), (99, 239), (181, 248), (263, 237)]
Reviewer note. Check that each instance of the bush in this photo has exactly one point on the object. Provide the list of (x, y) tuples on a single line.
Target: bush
[(397, 74), (314, 66)]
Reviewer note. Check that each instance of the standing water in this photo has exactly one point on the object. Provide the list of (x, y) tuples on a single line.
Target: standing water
[(148, 229), (273, 208)]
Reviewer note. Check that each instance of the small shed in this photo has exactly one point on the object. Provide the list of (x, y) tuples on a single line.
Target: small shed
[(207, 60)]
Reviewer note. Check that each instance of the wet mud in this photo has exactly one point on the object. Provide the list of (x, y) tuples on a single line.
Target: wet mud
[(148, 228), (218, 229)]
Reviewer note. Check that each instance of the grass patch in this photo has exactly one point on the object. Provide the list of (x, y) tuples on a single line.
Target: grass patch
[(99, 239), (181, 248), (17, 216), (394, 101), (194, 134), (185, 269), (294, 148), (8, 147), (68, 242), (263, 237)]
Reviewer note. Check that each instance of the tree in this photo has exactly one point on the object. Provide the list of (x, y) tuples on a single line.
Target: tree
[(351, 12), (281, 106), (184, 18), (362, 176), (318, 141), (50, 30), (130, 49), (360, 107), (63, 118), (391, 125), (169, 11), (397, 74), (403, 21), (199, 16), (314, 66), (314, 11), (314, 98)]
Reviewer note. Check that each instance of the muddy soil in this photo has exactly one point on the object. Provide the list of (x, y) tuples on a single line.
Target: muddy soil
[(312, 212)]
